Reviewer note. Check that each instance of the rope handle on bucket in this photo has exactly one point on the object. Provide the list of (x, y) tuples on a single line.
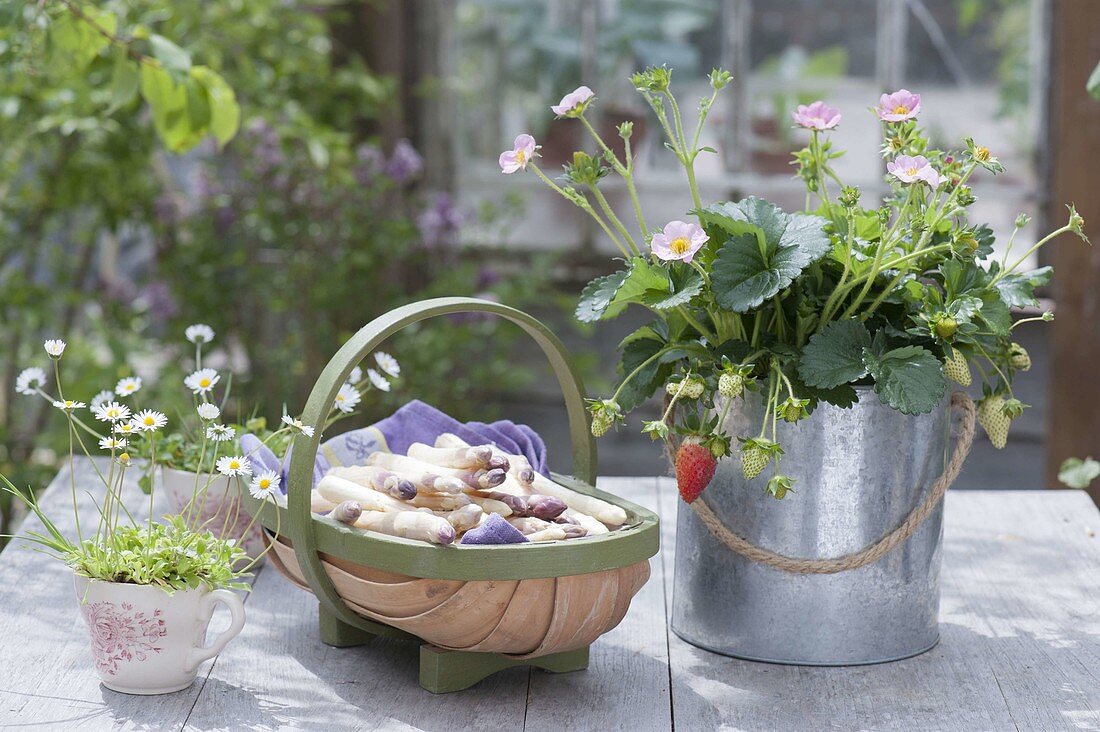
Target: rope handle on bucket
[(872, 553)]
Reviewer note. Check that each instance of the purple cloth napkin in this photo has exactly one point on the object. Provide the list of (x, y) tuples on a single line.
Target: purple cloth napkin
[(414, 422), (495, 530)]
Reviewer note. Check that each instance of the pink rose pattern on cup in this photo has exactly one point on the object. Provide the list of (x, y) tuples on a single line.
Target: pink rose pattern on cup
[(120, 635)]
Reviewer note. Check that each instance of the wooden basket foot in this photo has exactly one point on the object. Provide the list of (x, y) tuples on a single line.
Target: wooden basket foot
[(443, 671), (335, 632)]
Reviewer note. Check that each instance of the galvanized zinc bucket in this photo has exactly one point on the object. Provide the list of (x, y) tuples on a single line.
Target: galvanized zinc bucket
[(860, 473)]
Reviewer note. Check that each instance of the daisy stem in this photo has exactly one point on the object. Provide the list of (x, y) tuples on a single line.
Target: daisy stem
[(270, 543)]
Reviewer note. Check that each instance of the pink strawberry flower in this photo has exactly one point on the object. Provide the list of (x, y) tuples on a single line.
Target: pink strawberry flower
[(679, 241), (523, 151), (913, 170), (899, 106), (816, 116), (574, 100)]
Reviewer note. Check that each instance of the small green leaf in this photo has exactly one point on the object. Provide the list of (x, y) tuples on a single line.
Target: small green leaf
[(597, 296), (225, 112), (684, 286), (909, 379), (125, 81), (642, 385), (174, 59), (1018, 288), (1078, 473), (1093, 84), (835, 355)]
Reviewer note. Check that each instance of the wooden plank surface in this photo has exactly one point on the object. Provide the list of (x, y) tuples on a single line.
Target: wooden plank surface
[(1020, 650), (1020, 647)]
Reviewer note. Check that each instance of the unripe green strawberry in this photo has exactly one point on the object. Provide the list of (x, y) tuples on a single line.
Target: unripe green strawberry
[(731, 385), (946, 327), (600, 425), (753, 461), (689, 388), (994, 421), (792, 410), (957, 369), (1019, 357)]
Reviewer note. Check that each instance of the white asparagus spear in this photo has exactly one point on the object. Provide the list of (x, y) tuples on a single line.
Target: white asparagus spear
[(378, 478), (440, 501), (337, 490), (424, 476), (488, 505), (593, 526), (409, 524), (463, 518), (607, 513), (416, 470), (348, 512), (528, 524), (319, 504), (552, 533), (466, 458), (516, 465)]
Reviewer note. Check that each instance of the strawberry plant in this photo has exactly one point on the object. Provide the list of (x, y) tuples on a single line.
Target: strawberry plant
[(896, 294)]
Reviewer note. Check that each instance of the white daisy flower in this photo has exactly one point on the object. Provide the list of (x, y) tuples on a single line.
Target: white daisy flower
[(111, 412), (202, 381), (102, 398), (68, 405), (297, 426), (234, 465), (126, 428), (356, 375), (219, 433), (30, 380), (378, 380), (265, 485), (128, 386), (388, 364), (54, 347), (347, 399), (149, 421), (112, 443), (199, 333), (208, 411)]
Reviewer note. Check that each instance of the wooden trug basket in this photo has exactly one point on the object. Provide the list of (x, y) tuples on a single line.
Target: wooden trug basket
[(478, 609)]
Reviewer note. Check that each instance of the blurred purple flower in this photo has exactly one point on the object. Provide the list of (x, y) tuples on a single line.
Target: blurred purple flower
[(206, 187), (369, 163), (405, 163), (267, 148), (486, 278), (440, 223), (159, 301), (165, 209), (224, 218)]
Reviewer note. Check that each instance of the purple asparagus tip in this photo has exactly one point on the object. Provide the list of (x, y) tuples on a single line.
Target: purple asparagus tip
[(546, 508), (406, 490)]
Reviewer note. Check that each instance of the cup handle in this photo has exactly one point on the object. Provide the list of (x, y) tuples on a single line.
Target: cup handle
[(206, 610)]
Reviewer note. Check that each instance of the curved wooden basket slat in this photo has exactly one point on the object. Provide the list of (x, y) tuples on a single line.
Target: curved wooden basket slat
[(526, 600)]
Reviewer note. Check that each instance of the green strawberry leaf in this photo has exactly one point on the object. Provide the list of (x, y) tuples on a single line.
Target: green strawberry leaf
[(770, 223), (597, 296), (1078, 473), (995, 313), (834, 356), (909, 379), (1017, 289), (685, 284), (756, 263), (642, 385)]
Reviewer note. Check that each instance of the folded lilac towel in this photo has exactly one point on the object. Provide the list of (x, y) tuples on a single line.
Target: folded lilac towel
[(495, 530), (414, 422)]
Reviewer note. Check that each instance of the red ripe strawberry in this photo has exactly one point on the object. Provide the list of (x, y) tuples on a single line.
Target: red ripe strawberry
[(695, 467)]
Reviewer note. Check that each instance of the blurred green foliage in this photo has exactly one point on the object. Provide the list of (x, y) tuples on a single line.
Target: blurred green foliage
[(284, 237)]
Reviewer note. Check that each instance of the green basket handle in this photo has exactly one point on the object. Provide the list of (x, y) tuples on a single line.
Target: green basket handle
[(300, 517)]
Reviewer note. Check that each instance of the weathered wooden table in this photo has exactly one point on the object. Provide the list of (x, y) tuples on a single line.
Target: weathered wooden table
[(1020, 650)]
